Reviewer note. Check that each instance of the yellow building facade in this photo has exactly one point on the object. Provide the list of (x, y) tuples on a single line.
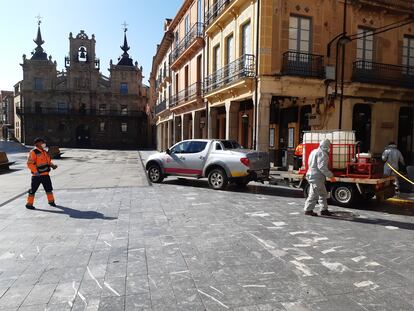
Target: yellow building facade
[(184, 116), (276, 68), (302, 81)]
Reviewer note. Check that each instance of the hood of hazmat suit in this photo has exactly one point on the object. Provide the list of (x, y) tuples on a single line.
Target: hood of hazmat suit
[(318, 164)]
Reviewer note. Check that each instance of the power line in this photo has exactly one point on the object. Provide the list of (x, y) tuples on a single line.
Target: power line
[(387, 28)]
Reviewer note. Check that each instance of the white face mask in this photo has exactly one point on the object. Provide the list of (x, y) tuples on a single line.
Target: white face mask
[(43, 146)]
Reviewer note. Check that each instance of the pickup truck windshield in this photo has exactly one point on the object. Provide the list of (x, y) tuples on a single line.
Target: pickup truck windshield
[(231, 144)]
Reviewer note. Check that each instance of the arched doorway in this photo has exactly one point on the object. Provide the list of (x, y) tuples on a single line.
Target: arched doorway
[(83, 137), (361, 124), (405, 132)]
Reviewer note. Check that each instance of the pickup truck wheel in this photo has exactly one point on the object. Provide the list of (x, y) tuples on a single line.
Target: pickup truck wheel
[(344, 195), (217, 179), (154, 174)]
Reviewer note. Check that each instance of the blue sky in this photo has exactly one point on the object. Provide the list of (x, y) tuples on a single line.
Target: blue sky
[(18, 27)]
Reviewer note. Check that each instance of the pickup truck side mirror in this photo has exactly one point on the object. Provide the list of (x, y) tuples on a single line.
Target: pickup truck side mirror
[(168, 151)]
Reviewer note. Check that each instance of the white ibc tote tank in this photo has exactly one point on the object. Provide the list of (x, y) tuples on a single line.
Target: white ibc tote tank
[(342, 149)]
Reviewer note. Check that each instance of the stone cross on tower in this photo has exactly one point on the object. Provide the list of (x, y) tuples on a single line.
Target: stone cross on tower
[(124, 26), (39, 19)]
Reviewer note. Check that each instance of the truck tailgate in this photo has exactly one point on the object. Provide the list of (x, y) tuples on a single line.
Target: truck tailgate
[(258, 160)]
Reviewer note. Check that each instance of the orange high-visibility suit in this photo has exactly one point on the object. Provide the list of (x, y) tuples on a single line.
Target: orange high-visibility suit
[(39, 163)]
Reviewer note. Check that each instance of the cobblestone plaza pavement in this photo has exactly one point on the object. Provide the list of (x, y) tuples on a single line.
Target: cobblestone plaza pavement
[(114, 242)]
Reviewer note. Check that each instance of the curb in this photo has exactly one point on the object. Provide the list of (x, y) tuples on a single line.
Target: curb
[(401, 201), (143, 167)]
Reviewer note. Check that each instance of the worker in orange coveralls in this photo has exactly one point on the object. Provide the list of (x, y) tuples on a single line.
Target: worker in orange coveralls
[(39, 163)]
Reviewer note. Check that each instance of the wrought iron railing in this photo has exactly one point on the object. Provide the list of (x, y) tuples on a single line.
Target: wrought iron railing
[(160, 107), (195, 32), (244, 67), (190, 93), (378, 73), (301, 64), (215, 10), (78, 112)]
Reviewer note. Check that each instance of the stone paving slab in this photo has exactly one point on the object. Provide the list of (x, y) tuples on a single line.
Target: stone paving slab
[(182, 246)]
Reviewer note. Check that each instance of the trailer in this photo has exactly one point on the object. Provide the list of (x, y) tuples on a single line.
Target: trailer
[(358, 175)]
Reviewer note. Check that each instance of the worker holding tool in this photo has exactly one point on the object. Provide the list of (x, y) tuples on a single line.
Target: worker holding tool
[(317, 173), (392, 157)]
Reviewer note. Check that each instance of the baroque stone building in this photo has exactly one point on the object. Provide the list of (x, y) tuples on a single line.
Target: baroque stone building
[(79, 106)]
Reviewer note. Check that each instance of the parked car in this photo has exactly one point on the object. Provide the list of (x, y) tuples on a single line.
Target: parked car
[(221, 161)]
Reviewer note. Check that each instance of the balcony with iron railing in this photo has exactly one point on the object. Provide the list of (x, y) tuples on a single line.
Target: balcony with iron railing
[(191, 42), (215, 10), (78, 112), (295, 63), (189, 94), (378, 73), (160, 107), (241, 68)]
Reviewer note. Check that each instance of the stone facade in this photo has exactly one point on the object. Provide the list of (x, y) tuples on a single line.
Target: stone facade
[(269, 75), (80, 106), (6, 115), (177, 77)]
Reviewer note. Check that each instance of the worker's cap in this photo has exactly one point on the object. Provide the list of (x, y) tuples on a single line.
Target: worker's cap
[(39, 140)]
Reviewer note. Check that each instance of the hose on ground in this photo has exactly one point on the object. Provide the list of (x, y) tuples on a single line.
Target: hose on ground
[(399, 174)]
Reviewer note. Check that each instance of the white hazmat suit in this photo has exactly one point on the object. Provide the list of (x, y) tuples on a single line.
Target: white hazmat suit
[(394, 157), (317, 173)]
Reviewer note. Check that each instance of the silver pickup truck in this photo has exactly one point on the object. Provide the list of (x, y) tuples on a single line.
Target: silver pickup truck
[(221, 161)]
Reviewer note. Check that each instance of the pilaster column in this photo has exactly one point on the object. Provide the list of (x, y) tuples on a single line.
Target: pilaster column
[(232, 118), (263, 118)]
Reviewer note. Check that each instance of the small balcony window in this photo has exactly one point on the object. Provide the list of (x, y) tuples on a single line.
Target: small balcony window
[(124, 88), (124, 127), (63, 108), (102, 109), (124, 110), (102, 126)]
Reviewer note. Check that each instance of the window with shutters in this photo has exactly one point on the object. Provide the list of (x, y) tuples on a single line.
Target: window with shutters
[(365, 48), (408, 55)]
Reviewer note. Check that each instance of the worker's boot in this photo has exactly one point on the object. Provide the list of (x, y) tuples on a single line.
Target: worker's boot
[(51, 199), (30, 201), (310, 213), (325, 212)]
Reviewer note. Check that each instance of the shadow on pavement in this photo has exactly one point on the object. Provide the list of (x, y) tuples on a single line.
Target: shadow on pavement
[(385, 207), (251, 188), (9, 171), (74, 213), (349, 216)]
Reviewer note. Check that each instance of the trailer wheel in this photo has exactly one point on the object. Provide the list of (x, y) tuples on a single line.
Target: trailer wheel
[(344, 194)]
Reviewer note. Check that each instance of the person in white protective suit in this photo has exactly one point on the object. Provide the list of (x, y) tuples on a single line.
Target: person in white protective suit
[(393, 157), (317, 173)]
